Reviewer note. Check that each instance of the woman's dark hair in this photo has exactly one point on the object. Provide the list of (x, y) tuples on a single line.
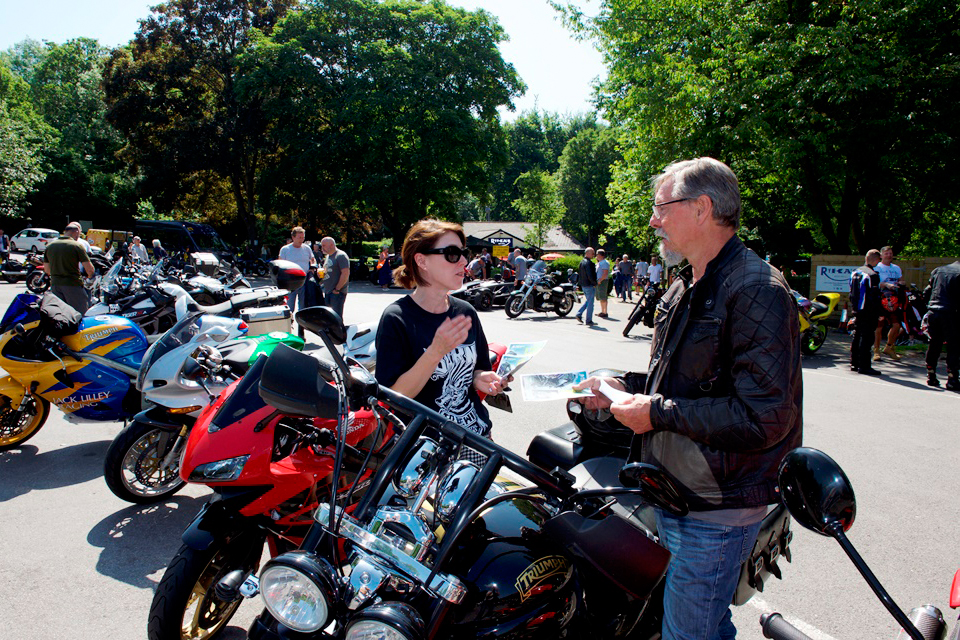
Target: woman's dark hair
[(423, 235)]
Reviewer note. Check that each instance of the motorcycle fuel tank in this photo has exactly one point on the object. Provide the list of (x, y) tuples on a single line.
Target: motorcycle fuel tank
[(521, 584), (115, 338)]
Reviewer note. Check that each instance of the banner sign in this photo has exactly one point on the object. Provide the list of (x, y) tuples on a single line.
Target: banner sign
[(834, 278), (505, 242)]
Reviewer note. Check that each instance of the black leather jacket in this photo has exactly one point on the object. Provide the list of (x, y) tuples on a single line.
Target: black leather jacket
[(726, 382), (945, 283)]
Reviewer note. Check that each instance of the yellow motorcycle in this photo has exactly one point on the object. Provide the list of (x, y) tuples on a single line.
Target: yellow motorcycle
[(813, 317), (87, 371)]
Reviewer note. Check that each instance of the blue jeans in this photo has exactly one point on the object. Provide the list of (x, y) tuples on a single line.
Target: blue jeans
[(589, 293), (335, 301), (702, 576)]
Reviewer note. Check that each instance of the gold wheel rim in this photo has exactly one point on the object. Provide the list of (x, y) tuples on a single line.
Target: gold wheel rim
[(26, 430)]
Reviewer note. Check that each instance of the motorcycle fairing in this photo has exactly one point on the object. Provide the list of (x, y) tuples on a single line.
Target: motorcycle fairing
[(12, 389), (112, 337)]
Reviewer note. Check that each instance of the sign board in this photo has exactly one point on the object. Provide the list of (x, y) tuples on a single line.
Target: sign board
[(500, 251), (504, 242), (834, 278)]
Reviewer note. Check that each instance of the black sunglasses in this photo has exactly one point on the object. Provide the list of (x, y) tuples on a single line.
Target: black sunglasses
[(452, 253)]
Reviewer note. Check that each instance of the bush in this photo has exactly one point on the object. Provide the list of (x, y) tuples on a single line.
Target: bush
[(566, 262)]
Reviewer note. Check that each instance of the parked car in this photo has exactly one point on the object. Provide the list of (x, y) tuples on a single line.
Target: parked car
[(33, 239)]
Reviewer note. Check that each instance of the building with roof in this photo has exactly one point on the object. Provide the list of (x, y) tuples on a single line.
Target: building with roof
[(512, 234)]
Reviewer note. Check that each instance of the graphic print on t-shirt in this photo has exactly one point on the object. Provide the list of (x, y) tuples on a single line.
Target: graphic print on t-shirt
[(456, 372)]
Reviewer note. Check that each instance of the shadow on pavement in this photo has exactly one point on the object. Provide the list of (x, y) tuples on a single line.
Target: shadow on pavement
[(139, 541), (23, 470)]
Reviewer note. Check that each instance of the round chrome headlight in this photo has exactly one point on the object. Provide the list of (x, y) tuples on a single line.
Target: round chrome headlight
[(298, 590), (386, 621)]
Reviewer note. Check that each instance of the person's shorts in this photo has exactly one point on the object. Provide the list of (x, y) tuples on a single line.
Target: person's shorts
[(603, 289)]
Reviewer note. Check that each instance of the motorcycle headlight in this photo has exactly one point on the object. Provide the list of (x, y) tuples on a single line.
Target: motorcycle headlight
[(386, 621), (298, 589), (219, 471)]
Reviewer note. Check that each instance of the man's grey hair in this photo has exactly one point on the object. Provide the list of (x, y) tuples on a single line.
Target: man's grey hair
[(709, 177)]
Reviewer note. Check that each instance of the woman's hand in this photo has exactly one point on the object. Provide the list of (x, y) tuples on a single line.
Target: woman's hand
[(489, 382), (450, 334)]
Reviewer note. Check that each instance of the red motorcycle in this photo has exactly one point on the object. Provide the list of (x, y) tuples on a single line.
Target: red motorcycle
[(266, 469)]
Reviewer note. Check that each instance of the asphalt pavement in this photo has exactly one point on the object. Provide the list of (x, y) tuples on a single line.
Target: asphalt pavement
[(80, 563)]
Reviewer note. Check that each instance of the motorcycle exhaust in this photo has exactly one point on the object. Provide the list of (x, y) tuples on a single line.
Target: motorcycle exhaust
[(928, 620)]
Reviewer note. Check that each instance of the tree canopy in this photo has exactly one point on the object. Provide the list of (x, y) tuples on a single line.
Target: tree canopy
[(841, 119)]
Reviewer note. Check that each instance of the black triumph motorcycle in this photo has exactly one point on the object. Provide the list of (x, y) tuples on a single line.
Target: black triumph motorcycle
[(541, 292), (440, 546)]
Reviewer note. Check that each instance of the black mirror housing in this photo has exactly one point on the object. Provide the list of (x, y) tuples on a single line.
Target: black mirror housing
[(295, 383), (817, 492)]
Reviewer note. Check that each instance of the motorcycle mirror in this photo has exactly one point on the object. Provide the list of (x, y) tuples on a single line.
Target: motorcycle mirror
[(293, 382), (816, 492), (659, 489), (323, 319), (19, 330)]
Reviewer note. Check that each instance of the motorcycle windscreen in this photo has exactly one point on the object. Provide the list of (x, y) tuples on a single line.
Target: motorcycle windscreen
[(244, 400), (22, 309)]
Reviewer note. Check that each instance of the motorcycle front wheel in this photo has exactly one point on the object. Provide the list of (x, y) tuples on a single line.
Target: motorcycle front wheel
[(38, 282), (566, 305), (16, 427), (133, 465), (185, 604), (514, 306), (262, 268), (813, 338)]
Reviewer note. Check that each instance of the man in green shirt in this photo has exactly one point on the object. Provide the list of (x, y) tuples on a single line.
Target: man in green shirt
[(61, 262)]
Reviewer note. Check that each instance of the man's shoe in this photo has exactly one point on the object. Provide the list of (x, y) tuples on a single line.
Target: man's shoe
[(590, 323), (854, 367), (869, 372), (953, 385), (892, 352), (602, 315), (580, 319), (876, 355), (933, 382)]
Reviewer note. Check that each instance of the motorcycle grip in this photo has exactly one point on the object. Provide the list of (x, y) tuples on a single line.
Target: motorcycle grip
[(774, 626)]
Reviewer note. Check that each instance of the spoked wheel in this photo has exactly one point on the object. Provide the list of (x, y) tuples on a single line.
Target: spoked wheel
[(38, 282), (16, 427), (813, 338), (186, 606), (566, 306), (515, 305), (134, 467)]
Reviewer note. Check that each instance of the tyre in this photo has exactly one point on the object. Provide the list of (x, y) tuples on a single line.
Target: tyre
[(38, 282), (514, 306), (485, 301), (9, 279), (16, 427), (635, 316), (133, 465), (813, 338), (566, 306), (262, 268), (185, 604)]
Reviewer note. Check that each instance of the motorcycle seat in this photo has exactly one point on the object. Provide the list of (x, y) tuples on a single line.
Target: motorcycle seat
[(622, 553), (817, 307)]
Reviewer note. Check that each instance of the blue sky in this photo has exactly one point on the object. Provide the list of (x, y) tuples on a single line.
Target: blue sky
[(558, 70)]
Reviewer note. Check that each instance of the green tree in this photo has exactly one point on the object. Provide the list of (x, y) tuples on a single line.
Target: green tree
[(23, 138), (172, 92), (386, 110), (839, 118), (539, 203), (535, 141), (583, 178), (84, 178)]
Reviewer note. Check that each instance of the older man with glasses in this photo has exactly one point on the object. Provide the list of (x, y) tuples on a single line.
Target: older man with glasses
[(721, 403)]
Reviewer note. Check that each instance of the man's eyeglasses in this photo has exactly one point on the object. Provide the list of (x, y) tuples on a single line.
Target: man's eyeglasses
[(656, 212), (452, 253)]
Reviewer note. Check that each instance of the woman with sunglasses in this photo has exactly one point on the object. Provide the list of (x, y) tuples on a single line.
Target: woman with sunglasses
[(430, 346)]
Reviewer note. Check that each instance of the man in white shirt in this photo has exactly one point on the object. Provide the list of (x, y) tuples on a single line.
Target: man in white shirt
[(138, 251), (301, 255), (891, 279), (655, 271)]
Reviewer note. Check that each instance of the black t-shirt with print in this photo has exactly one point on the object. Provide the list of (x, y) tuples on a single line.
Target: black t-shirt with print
[(406, 331)]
